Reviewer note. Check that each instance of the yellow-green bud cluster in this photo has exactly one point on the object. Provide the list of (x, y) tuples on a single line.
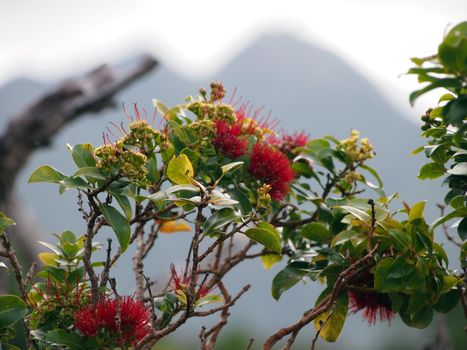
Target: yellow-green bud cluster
[(207, 110), (115, 159), (354, 151), (264, 198), (352, 176), (143, 136)]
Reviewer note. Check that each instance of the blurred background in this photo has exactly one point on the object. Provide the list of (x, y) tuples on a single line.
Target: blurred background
[(323, 67)]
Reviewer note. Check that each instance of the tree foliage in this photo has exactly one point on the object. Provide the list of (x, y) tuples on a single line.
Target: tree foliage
[(222, 172)]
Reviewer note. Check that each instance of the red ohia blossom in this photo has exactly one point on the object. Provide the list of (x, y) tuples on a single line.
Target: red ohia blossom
[(252, 121), (372, 304), (228, 139), (272, 167), (134, 319), (288, 142)]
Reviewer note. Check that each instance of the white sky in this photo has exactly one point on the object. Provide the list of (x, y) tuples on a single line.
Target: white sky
[(46, 39)]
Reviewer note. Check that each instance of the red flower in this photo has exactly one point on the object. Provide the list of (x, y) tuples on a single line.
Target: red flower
[(254, 121), (134, 319), (272, 167), (228, 139), (373, 304), (288, 142)]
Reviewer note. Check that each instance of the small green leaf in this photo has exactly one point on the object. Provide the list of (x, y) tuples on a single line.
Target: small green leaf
[(46, 173), (445, 83), (90, 171), (359, 214), (399, 268), (48, 259), (5, 222), (421, 319), (180, 170), (286, 279), (349, 235), (459, 169), (118, 223), (124, 203), (209, 299), (218, 220), (401, 239), (447, 301), (266, 235), (83, 155), (12, 309), (462, 229), (446, 97), (72, 182), (331, 326), (431, 171), (455, 112), (458, 213), (374, 173), (231, 166), (269, 260), (69, 339), (315, 232), (416, 212)]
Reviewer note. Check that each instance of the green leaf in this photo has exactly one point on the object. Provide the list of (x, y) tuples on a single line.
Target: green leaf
[(458, 213), (125, 204), (399, 268), (208, 299), (455, 111), (48, 258), (359, 214), (218, 220), (421, 319), (462, 229), (286, 279), (452, 52), (447, 301), (118, 223), (459, 169), (446, 97), (90, 171), (12, 309), (416, 212), (266, 235), (72, 182), (5, 222), (331, 326), (349, 235), (401, 239), (61, 337), (159, 199), (83, 155), (374, 173), (382, 282), (269, 260), (231, 166), (445, 83), (180, 170), (431, 171), (46, 173), (315, 232)]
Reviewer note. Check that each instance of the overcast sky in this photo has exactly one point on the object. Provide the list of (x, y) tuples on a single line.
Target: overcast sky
[(54, 38)]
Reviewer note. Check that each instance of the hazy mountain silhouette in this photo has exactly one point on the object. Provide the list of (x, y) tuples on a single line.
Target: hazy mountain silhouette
[(306, 88)]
